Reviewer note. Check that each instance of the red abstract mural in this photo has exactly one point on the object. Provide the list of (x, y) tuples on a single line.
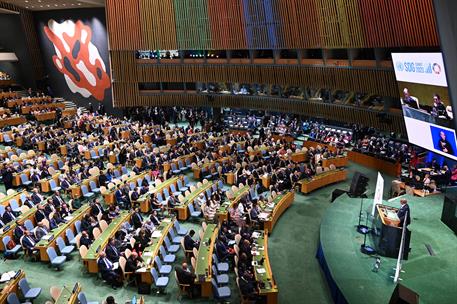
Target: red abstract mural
[(78, 59)]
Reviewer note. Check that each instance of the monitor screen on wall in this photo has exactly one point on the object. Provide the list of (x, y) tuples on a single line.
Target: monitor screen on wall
[(426, 106)]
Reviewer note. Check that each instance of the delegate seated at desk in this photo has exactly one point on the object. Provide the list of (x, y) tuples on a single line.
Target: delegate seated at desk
[(108, 271)]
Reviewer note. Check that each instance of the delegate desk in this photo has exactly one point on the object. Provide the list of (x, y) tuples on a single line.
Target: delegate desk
[(209, 166), (91, 258), (314, 144), (230, 178), (318, 181), (75, 189), (417, 192), (273, 211), (183, 159), (108, 195), (150, 252), (268, 289), (204, 260), (144, 200), (45, 185), (223, 211), (45, 116), (49, 240), (17, 196), (12, 121), (8, 229), (11, 286), (299, 157), (29, 109), (339, 161), (182, 209), (382, 165), (17, 177), (69, 296), (286, 138)]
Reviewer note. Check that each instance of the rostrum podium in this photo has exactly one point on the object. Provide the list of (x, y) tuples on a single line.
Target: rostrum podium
[(387, 232)]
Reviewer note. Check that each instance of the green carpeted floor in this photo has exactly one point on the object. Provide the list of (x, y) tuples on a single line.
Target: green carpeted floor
[(434, 278), (292, 249)]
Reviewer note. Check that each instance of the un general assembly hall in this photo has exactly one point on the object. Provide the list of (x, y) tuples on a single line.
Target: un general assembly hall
[(228, 151)]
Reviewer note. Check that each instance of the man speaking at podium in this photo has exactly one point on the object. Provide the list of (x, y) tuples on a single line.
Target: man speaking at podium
[(404, 214)]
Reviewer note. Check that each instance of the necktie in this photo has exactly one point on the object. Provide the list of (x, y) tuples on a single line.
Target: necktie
[(31, 241), (108, 263)]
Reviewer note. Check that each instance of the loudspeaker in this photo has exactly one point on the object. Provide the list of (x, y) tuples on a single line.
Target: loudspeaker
[(359, 184), (337, 193), (449, 214), (404, 295)]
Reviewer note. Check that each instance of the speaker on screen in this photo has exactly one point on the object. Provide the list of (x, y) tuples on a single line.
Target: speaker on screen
[(359, 184)]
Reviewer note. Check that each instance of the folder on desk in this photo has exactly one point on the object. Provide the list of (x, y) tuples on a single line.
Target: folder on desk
[(156, 234), (264, 216), (256, 234), (47, 237), (7, 276)]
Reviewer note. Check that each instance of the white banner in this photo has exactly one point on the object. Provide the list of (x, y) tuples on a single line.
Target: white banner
[(423, 68), (378, 193)]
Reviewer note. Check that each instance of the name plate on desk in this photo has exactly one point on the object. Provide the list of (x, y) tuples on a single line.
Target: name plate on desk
[(201, 278)]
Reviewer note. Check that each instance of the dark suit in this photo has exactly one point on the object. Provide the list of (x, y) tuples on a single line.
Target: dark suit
[(95, 210), (57, 201), (8, 217), (137, 220), (154, 220), (65, 184), (112, 253), (18, 233), (246, 287), (105, 267), (86, 241), (131, 264), (40, 215), (36, 198), (29, 203), (28, 242), (189, 243), (402, 215), (185, 277)]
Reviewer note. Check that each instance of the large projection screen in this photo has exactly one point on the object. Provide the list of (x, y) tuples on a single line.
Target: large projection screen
[(425, 102)]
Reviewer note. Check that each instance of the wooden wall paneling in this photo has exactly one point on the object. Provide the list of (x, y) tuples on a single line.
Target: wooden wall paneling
[(33, 47), (380, 82)]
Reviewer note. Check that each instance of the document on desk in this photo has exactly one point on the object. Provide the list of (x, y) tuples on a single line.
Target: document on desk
[(7, 276), (156, 234), (264, 216), (256, 234), (47, 237), (261, 270)]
